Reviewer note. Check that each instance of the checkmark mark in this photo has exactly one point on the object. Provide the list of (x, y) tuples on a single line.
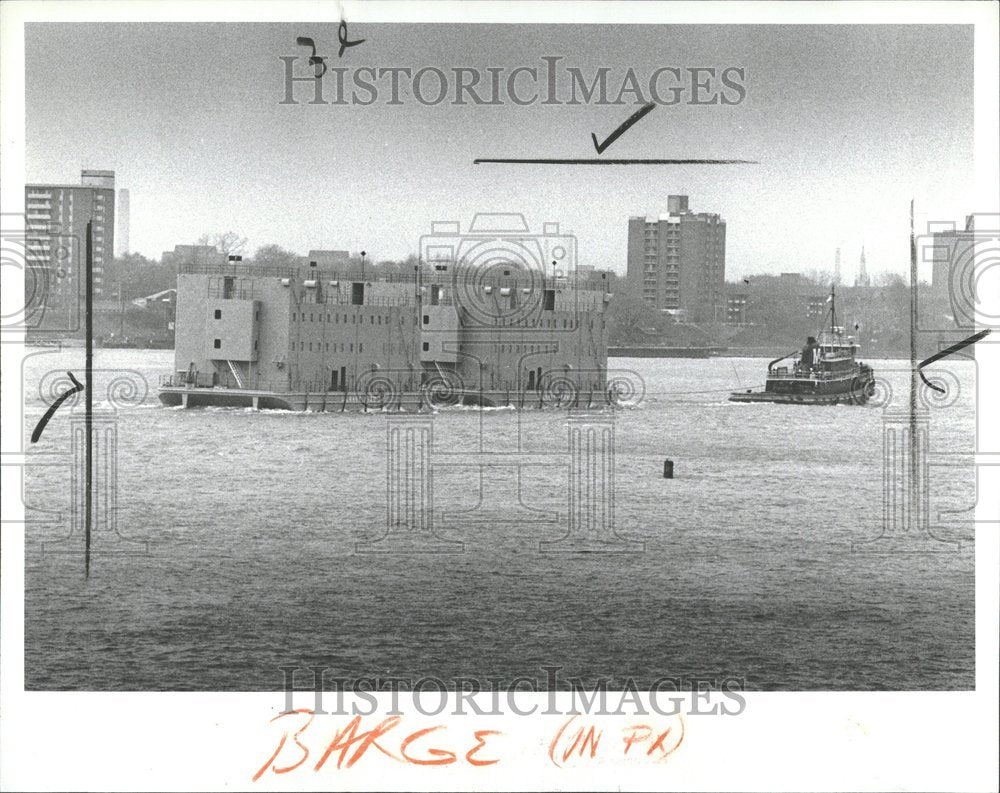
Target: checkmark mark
[(620, 131)]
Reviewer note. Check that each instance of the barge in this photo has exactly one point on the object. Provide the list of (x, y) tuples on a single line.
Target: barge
[(479, 321)]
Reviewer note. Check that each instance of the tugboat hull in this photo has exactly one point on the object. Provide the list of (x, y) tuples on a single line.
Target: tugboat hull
[(800, 399), (805, 391)]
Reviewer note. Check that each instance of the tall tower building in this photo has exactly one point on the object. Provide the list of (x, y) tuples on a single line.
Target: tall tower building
[(122, 219), (55, 240), (677, 261), (863, 279)]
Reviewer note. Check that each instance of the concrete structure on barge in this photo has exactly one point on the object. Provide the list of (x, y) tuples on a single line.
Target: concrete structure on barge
[(337, 337)]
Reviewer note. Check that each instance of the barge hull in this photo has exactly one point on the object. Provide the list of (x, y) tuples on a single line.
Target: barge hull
[(341, 402)]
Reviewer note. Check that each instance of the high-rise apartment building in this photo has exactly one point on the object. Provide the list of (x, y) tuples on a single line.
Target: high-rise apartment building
[(677, 261), (56, 238)]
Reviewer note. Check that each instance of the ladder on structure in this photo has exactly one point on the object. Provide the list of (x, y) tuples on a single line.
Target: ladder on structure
[(237, 374)]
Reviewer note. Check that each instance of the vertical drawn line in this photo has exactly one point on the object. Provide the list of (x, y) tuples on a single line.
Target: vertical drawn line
[(913, 473), (89, 423)]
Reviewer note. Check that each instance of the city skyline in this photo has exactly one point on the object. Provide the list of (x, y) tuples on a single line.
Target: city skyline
[(204, 146)]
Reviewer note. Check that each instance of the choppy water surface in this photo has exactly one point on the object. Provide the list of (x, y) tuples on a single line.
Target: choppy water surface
[(252, 520)]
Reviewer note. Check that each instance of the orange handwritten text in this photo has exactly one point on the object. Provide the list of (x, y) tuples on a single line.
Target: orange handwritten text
[(582, 742), (352, 742)]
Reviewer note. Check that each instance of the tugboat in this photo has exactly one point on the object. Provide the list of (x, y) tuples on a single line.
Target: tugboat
[(821, 373)]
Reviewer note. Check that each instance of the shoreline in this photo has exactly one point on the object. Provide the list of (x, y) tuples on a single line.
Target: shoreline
[(732, 352)]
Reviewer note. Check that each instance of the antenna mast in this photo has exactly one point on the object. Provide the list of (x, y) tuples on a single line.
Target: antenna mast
[(833, 309)]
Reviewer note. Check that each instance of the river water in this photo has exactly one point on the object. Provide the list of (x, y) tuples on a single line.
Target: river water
[(236, 550)]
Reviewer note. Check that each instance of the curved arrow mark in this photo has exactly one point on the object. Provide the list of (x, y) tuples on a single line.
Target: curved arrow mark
[(37, 433), (944, 353)]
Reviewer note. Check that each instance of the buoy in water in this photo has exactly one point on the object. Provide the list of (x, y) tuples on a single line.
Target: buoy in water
[(668, 469)]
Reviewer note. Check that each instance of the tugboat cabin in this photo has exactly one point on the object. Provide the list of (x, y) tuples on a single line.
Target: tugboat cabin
[(832, 358)]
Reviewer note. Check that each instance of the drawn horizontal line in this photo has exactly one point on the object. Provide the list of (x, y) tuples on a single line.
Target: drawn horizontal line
[(602, 161)]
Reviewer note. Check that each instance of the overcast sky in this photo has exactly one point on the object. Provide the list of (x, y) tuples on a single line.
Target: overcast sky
[(848, 123)]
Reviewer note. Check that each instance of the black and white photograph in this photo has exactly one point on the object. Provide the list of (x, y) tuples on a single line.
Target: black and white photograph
[(500, 396)]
